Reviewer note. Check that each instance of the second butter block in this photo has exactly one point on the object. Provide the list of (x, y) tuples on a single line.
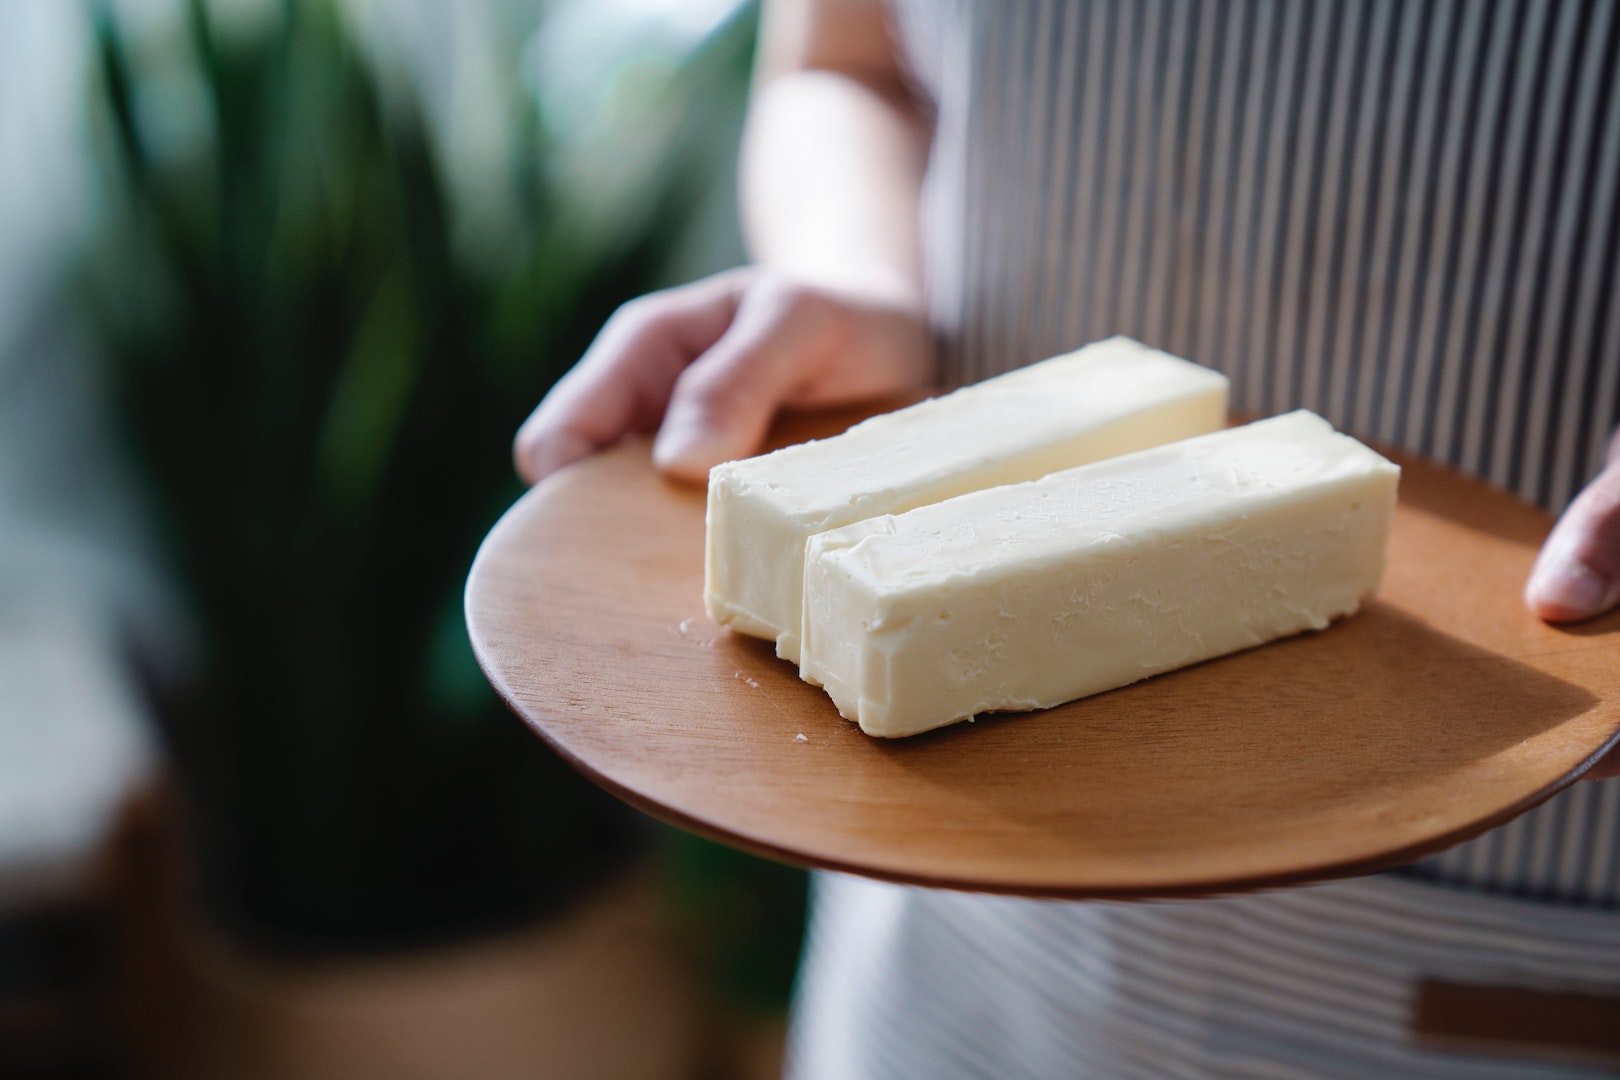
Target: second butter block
[(1031, 595)]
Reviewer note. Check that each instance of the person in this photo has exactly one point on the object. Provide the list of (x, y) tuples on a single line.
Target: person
[(1401, 216)]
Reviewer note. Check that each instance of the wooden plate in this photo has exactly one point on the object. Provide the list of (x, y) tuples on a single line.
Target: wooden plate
[(1441, 709)]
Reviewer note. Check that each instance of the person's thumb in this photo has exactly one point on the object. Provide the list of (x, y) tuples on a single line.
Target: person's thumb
[(1577, 573), (723, 404)]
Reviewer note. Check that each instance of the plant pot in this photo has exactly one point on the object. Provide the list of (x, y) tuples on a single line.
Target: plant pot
[(599, 989)]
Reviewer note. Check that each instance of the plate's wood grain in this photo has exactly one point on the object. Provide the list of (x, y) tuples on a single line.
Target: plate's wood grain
[(1441, 709)]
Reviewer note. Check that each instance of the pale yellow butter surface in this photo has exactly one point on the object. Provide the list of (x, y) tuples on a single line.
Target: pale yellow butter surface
[(1109, 398), (1031, 595)]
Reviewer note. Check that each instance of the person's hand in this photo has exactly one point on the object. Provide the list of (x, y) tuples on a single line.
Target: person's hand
[(1577, 573), (707, 365)]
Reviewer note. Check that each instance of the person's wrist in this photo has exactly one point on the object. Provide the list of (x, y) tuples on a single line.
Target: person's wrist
[(872, 286)]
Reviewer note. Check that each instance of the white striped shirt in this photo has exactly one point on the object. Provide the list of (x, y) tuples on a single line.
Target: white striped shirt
[(1399, 214)]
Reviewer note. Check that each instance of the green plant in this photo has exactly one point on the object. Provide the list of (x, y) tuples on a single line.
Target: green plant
[(322, 396)]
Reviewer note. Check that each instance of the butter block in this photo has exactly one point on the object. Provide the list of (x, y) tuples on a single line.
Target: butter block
[(1108, 398), (1034, 594)]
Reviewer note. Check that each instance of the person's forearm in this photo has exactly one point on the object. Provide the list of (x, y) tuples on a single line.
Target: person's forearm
[(834, 152)]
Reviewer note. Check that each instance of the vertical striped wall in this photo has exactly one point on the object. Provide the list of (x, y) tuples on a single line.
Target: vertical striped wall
[(1400, 214)]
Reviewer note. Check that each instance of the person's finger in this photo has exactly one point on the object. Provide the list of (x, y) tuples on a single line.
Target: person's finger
[(625, 378), (1577, 573), (722, 405), (790, 345)]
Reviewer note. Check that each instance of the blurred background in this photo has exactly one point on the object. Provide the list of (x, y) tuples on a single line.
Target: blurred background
[(278, 281)]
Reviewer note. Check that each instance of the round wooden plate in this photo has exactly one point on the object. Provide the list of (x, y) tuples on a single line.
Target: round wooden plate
[(1439, 710)]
